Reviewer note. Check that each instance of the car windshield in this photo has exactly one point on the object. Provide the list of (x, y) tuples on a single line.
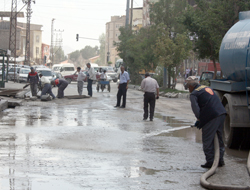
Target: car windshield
[(46, 73), (206, 76), (24, 71), (56, 68), (69, 68), (110, 69)]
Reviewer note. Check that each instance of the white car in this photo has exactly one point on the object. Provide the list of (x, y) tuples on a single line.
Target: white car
[(23, 75), (46, 72)]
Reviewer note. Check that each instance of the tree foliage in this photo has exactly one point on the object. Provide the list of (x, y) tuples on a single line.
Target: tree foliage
[(209, 22), (88, 52), (59, 55), (74, 55), (171, 51), (172, 44), (102, 53), (136, 51)]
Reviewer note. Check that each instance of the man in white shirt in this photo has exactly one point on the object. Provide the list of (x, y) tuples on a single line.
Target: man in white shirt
[(103, 75), (91, 77), (46, 86), (122, 88), (80, 80), (150, 87)]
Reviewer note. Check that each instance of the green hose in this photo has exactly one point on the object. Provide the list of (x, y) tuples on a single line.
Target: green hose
[(211, 171)]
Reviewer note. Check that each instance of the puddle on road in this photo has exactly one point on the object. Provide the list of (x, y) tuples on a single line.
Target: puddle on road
[(172, 121), (181, 128)]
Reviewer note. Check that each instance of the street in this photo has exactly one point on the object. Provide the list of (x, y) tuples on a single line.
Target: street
[(67, 144)]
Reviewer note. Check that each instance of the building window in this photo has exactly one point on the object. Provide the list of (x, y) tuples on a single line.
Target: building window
[(37, 39)]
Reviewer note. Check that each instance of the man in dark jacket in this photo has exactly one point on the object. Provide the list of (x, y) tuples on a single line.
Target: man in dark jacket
[(210, 114), (33, 79), (61, 84)]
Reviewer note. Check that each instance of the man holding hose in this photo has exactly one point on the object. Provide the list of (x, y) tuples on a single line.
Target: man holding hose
[(210, 114)]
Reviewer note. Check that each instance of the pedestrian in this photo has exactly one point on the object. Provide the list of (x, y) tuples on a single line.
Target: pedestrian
[(80, 80), (91, 77), (33, 79), (103, 77), (46, 86), (61, 84), (150, 87), (210, 114), (122, 88), (190, 72)]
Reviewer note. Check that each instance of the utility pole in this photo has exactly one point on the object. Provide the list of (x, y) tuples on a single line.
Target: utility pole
[(13, 25), (131, 14), (127, 14), (27, 46), (59, 40), (51, 45)]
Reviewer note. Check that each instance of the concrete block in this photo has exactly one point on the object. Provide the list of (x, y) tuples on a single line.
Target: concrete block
[(3, 105)]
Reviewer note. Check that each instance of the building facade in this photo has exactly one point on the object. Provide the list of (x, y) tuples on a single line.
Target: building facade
[(145, 12), (35, 40), (137, 18), (112, 34)]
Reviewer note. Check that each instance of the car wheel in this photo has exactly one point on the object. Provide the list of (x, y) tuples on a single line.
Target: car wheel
[(68, 80), (114, 80)]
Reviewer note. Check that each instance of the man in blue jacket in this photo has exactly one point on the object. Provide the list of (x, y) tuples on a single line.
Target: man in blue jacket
[(210, 114)]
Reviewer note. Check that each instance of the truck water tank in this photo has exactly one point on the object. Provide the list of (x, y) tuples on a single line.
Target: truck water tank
[(233, 50)]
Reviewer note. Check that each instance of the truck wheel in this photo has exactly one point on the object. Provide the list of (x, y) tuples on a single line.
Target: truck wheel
[(232, 135), (69, 80)]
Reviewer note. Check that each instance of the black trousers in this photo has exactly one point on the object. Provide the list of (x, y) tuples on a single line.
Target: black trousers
[(122, 92), (208, 133), (89, 87), (149, 99)]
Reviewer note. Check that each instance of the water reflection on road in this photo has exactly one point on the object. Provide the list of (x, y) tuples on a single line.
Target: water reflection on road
[(91, 145)]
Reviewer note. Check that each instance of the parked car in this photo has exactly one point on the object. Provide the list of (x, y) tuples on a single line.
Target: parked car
[(64, 69), (46, 72), (110, 72), (23, 75), (13, 73), (73, 77)]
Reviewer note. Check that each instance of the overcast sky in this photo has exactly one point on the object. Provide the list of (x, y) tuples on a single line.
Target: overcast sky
[(85, 17)]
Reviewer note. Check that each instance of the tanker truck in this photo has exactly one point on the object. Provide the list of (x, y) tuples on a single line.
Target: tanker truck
[(234, 58)]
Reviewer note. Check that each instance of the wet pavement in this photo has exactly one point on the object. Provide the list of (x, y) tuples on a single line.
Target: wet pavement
[(89, 144)]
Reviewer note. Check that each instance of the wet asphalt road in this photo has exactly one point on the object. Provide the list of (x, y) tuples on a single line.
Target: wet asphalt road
[(89, 144)]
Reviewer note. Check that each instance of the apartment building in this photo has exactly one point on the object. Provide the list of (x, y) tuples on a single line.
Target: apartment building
[(112, 34), (35, 39)]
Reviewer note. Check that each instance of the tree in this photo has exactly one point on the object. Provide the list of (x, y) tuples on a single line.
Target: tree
[(74, 55), (136, 51), (88, 52), (102, 49), (209, 22), (165, 16), (59, 55), (167, 12), (171, 51)]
